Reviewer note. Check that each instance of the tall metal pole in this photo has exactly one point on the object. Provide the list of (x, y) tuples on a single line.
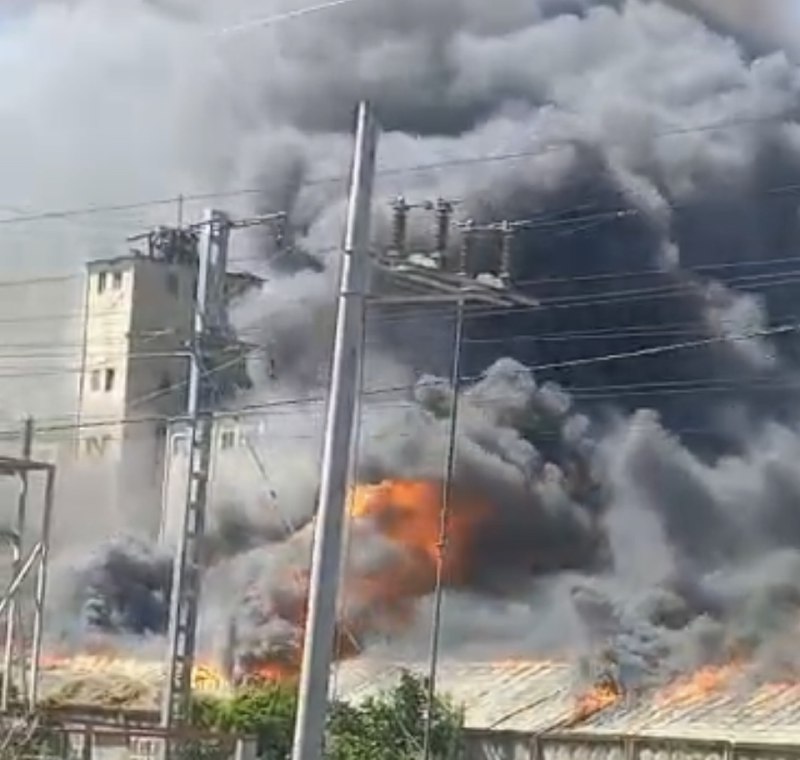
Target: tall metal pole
[(41, 588), (326, 559), (19, 529), (444, 526), (185, 590)]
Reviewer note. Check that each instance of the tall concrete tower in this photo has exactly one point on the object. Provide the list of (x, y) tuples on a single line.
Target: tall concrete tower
[(138, 317)]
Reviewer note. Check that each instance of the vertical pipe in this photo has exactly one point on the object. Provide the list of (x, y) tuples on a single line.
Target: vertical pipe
[(326, 557), (444, 525), (41, 587), (19, 529)]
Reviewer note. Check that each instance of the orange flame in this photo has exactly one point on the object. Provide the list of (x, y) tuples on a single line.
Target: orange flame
[(598, 698), (409, 513), (698, 686), (380, 599), (206, 677)]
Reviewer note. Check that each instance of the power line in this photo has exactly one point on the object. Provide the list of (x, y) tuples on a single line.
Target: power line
[(657, 350), (632, 273), (280, 17), (390, 172), (754, 283), (407, 388)]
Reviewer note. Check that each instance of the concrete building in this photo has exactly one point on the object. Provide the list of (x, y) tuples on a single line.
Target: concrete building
[(138, 312), (101, 363)]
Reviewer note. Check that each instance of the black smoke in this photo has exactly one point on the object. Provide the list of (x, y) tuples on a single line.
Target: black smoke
[(644, 505), (124, 588)]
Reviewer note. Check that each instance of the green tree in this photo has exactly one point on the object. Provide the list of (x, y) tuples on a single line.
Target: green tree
[(386, 727), (391, 726), (265, 711)]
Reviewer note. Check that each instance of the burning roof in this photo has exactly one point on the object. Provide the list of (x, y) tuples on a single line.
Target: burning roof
[(546, 697), (713, 704), (116, 683)]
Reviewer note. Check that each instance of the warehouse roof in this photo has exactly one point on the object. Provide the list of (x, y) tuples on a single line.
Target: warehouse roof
[(513, 697), (543, 698)]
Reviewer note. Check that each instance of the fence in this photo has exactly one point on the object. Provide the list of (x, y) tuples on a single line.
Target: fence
[(25, 740), (490, 745)]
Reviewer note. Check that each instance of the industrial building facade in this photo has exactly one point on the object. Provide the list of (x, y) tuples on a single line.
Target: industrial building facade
[(528, 711), (136, 332), (127, 343), (522, 711)]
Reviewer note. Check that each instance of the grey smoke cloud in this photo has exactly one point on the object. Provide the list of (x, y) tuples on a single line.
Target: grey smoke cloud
[(769, 24), (662, 533)]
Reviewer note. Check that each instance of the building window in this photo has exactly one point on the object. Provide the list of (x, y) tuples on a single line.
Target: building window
[(110, 374), (95, 446), (173, 284), (144, 749), (95, 380), (101, 282), (116, 281), (165, 386), (228, 439)]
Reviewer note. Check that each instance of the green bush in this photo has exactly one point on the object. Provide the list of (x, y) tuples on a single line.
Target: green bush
[(386, 727)]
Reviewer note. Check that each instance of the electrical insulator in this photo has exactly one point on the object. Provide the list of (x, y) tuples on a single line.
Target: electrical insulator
[(399, 226), (444, 210), (466, 247), (279, 232), (506, 241)]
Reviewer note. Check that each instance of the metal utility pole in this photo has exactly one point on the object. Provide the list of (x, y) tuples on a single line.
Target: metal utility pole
[(444, 527), (326, 559), (210, 332), (16, 539), (185, 591), (36, 558), (462, 287)]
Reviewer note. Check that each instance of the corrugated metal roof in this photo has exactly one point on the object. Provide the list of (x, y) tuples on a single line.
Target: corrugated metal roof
[(514, 696), (518, 697), (738, 713), (541, 698)]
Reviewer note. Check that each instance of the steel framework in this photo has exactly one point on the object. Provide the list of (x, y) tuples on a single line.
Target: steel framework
[(26, 561), (61, 735)]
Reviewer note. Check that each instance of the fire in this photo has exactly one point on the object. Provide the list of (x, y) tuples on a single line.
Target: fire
[(274, 671), (698, 686), (409, 513), (379, 599), (205, 676), (600, 697)]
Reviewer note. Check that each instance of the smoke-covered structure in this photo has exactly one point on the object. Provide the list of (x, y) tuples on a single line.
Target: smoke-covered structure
[(626, 484)]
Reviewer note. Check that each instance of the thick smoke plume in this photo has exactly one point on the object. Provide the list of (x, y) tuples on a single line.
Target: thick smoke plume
[(637, 510)]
